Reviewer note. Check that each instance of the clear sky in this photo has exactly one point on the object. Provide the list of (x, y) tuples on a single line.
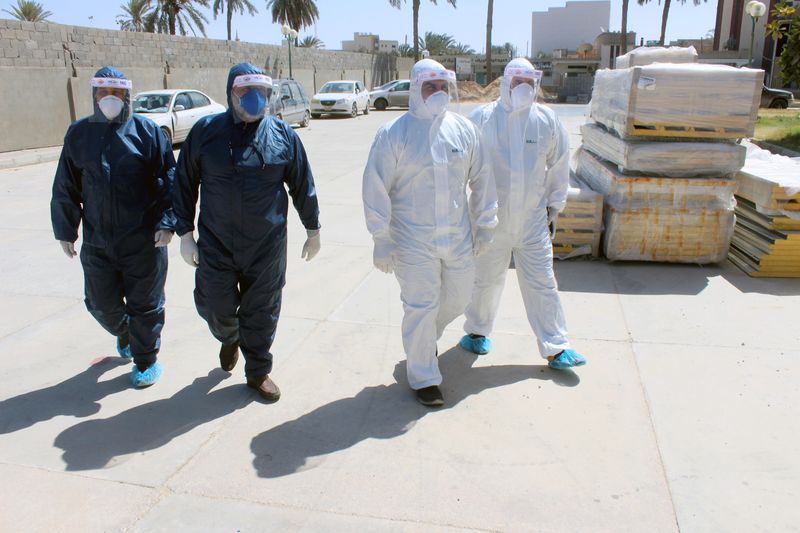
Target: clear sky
[(340, 19)]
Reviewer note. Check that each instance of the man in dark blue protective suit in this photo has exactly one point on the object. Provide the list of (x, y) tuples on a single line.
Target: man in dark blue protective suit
[(244, 161), (115, 175)]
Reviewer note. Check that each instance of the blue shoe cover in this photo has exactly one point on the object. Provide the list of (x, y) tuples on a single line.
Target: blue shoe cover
[(125, 352), (146, 378), (568, 359), (480, 345)]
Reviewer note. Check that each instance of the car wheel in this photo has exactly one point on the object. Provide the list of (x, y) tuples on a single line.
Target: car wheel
[(306, 120), (354, 111), (316, 115), (168, 134), (380, 104), (366, 108), (779, 103)]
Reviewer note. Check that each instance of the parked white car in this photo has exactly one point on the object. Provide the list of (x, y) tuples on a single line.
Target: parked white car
[(175, 110), (340, 97)]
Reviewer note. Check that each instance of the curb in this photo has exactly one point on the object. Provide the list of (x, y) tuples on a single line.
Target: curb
[(24, 158)]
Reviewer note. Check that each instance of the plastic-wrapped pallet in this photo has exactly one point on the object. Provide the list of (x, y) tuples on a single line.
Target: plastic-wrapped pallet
[(645, 55), (647, 218), (580, 225), (627, 191), (682, 159), (686, 101)]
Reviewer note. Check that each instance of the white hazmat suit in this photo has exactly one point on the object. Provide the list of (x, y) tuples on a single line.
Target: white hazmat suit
[(423, 225), (529, 150)]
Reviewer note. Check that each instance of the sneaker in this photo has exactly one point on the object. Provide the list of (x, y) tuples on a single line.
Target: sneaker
[(265, 387), (430, 396), (124, 346), (145, 378), (476, 344), (567, 359), (228, 356)]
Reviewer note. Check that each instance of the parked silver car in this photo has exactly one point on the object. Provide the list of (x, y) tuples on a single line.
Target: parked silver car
[(393, 94), (175, 110), (290, 103)]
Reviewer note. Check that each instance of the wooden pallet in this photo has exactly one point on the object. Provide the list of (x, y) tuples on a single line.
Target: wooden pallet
[(640, 129)]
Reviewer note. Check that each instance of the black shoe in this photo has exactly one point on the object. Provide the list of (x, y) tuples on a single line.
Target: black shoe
[(228, 356), (430, 396)]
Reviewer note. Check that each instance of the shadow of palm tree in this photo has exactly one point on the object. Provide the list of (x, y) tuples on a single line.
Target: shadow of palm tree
[(95, 443), (77, 396), (381, 412)]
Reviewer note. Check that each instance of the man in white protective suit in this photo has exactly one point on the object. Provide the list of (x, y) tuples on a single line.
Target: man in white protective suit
[(423, 226), (529, 150)]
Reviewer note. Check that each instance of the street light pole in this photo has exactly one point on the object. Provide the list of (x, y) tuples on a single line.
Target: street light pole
[(756, 10), (290, 35)]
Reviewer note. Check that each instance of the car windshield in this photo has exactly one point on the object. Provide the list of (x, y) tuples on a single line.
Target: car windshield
[(386, 86), (337, 87), (151, 103)]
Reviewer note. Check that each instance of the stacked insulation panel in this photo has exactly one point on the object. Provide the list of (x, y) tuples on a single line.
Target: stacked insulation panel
[(662, 151), (580, 225), (766, 240)]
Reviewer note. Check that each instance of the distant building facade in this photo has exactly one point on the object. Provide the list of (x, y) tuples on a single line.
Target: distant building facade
[(568, 27)]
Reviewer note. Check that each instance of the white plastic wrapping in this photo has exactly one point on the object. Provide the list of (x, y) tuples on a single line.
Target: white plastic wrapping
[(645, 55), (664, 158), (769, 180), (633, 192), (687, 101)]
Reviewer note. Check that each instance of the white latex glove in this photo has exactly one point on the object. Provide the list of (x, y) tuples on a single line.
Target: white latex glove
[(481, 241), (189, 250), (383, 256), (163, 238), (312, 245), (69, 248), (552, 219)]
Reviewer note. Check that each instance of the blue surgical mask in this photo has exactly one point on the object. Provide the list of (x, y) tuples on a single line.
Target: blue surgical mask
[(253, 102)]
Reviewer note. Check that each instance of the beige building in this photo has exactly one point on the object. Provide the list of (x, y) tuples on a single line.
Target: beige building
[(370, 43)]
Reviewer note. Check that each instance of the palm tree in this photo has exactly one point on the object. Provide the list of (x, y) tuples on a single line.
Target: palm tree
[(405, 50), (310, 41), (415, 11), (665, 14), (296, 13), (29, 11), (180, 15), (233, 5), (624, 45), (461, 49), (489, 16), (136, 16), (436, 43)]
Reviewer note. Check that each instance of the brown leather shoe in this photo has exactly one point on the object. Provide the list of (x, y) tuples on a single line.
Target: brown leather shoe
[(228, 356), (265, 387)]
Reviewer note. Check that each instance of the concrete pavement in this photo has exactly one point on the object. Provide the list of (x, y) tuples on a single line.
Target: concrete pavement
[(685, 418)]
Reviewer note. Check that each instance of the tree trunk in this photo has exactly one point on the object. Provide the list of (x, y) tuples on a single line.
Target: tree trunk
[(664, 17), (230, 18), (171, 22), (489, 41), (415, 10), (624, 45)]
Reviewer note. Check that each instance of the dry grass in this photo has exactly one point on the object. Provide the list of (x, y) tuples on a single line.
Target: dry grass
[(779, 126)]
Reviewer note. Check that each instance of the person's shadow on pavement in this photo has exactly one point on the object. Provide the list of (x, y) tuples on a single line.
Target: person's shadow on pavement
[(77, 396), (95, 443), (382, 412)]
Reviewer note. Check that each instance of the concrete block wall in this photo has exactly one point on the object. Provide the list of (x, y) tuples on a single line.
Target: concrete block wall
[(54, 58)]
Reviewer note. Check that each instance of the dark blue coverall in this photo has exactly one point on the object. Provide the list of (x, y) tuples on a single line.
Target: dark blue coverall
[(116, 177), (243, 171)]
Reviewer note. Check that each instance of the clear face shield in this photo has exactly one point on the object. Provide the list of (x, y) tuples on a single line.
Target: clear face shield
[(111, 99), (521, 86), (250, 97), (433, 91)]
